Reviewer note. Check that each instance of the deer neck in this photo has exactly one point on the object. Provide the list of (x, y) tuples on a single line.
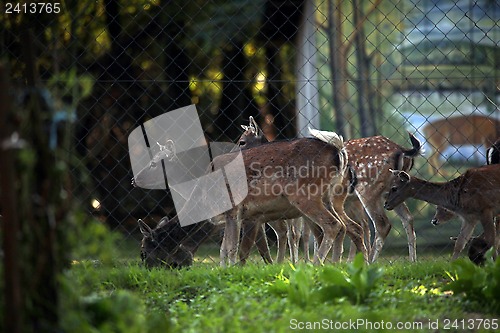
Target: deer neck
[(435, 193)]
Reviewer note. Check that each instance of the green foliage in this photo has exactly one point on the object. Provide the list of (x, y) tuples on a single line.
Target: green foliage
[(91, 239), (478, 284), (329, 284), (120, 311), (257, 298), (355, 284)]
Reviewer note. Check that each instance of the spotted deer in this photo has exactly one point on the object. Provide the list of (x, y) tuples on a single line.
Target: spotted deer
[(288, 167), (371, 158), (474, 197)]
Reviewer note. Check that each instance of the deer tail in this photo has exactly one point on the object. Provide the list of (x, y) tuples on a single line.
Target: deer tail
[(328, 137), (335, 140), (407, 155), (416, 149)]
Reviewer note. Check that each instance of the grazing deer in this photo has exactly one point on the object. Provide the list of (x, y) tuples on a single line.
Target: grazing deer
[(169, 243), (371, 158), (456, 131), (474, 196), (285, 180)]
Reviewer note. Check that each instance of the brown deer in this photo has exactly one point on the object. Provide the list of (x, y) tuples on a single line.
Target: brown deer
[(286, 230), (443, 215), (319, 196), (371, 158), (456, 131), (301, 194), (474, 196)]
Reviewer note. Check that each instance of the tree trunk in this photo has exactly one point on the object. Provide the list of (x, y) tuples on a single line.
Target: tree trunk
[(41, 233), (334, 31), (232, 104), (365, 108), (277, 104)]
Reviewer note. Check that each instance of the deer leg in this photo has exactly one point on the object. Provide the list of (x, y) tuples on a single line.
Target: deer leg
[(250, 230), (353, 229), (306, 237), (375, 211), (355, 210), (463, 237), (407, 221), (263, 245), (338, 246), (330, 223), (489, 230), (311, 227), (230, 241), (281, 230), (295, 228)]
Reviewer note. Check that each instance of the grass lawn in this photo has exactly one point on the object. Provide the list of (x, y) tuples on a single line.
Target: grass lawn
[(125, 297)]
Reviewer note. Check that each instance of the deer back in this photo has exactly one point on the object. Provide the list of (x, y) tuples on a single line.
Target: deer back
[(373, 157)]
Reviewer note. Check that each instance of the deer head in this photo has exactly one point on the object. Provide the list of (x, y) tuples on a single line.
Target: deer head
[(253, 135), (400, 189), (442, 215)]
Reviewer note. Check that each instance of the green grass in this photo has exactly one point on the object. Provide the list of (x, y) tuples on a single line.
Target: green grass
[(125, 297)]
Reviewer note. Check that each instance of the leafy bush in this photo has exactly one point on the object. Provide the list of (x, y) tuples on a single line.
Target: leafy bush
[(478, 284), (91, 239), (355, 284)]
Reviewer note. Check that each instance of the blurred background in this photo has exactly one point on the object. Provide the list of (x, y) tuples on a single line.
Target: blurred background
[(78, 77)]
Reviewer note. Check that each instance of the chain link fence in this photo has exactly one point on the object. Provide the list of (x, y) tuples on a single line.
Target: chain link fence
[(359, 68)]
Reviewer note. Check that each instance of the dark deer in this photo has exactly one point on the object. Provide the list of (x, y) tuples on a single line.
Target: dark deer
[(371, 158), (474, 197)]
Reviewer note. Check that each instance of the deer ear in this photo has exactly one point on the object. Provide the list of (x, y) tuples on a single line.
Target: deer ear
[(145, 229), (244, 127), (394, 172), (258, 131), (403, 176)]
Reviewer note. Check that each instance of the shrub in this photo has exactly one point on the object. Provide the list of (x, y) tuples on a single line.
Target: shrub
[(479, 284), (355, 284)]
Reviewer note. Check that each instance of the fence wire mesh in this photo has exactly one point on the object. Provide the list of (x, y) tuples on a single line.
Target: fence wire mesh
[(359, 68)]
